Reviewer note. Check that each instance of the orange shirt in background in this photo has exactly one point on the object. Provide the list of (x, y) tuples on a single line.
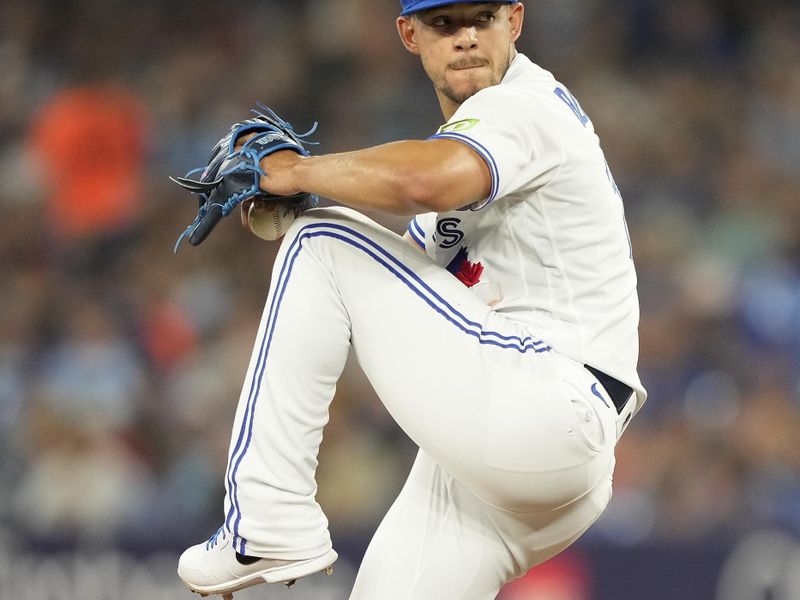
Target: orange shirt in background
[(91, 142)]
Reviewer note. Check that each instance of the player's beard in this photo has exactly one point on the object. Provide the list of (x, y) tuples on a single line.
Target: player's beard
[(459, 96)]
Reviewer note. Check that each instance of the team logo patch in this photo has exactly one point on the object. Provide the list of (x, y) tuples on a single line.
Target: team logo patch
[(459, 126), (468, 273)]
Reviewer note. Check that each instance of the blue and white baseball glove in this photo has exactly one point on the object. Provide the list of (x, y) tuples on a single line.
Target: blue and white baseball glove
[(233, 176)]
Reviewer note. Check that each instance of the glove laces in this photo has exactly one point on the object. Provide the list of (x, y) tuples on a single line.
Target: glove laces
[(265, 112)]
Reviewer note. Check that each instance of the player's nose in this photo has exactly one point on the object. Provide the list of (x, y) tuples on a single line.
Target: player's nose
[(466, 38)]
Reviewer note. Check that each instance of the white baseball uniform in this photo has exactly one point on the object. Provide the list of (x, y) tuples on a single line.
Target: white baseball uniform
[(477, 348)]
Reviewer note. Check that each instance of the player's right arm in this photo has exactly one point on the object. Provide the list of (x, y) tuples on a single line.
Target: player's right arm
[(403, 178)]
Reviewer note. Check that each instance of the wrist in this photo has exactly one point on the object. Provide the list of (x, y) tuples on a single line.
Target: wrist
[(281, 173), (298, 173)]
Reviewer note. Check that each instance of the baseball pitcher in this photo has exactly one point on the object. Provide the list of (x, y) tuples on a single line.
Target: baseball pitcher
[(501, 333)]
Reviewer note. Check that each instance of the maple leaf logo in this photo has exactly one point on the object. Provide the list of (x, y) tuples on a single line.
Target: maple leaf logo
[(468, 273)]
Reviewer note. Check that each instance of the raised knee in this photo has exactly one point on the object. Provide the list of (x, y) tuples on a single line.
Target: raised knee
[(333, 218), (329, 214)]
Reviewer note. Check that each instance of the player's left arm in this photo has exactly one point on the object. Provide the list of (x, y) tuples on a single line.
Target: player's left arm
[(404, 178)]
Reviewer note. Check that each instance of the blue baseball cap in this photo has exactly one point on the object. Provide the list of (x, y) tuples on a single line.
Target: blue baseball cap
[(412, 6)]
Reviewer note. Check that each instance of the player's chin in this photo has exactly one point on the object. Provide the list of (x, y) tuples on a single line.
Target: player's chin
[(463, 93), (465, 85)]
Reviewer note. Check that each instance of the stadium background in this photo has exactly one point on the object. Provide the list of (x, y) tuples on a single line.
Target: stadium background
[(120, 363)]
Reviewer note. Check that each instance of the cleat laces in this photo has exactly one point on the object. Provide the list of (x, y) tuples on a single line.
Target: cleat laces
[(212, 541)]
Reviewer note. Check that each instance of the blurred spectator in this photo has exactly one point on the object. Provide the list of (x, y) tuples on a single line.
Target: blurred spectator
[(91, 144), (564, 577)]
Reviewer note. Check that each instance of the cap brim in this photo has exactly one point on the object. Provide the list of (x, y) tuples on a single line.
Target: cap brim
[(426, 4)]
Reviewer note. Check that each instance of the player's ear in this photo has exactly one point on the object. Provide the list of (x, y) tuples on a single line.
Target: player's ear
[(406, 27), (516, 14)]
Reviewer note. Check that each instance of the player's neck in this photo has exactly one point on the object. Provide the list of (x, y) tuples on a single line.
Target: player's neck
[(448, 106)]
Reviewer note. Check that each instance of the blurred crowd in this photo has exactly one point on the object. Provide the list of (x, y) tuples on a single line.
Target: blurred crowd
[(121, 362)]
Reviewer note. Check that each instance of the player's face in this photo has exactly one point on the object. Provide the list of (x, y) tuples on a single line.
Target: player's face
[(464, 47)]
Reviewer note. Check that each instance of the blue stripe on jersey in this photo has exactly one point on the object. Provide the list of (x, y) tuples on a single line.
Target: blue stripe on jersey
[(412, 230), (418, 227), (484, 154), (395, 267)]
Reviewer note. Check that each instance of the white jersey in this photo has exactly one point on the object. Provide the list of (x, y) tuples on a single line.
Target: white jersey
[(549, 247)]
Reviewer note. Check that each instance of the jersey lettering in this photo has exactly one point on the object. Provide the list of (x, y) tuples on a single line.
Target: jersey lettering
[(573, 104), (448, 230)]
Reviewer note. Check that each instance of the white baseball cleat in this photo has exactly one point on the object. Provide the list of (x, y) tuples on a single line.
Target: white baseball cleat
[(214, 567)]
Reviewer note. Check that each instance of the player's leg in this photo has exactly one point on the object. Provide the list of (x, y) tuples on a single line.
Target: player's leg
[(488, 401), (436, 541), (439, 540), (483, 398), (270, 506)]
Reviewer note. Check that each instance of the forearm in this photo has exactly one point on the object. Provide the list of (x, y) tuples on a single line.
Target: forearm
[(408, 177)]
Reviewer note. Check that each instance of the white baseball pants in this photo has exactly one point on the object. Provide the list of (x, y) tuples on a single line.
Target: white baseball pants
[(516, 452)]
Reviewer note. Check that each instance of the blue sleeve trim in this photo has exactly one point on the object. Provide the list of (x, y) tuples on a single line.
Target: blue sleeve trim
[(418, 227), (485, 155), (416, 236)]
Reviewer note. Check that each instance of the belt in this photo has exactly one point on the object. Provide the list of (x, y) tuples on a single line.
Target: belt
[(616, 390)]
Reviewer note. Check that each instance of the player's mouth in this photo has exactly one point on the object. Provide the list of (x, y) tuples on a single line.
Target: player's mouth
[(467, 64)]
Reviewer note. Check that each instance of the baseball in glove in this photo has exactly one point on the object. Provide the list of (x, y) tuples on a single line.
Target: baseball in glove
[(233, 174)]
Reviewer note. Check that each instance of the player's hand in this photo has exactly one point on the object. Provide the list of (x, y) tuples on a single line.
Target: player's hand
[(277, 166), (234, 172)]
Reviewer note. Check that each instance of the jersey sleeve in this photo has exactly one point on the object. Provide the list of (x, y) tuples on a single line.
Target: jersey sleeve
[(513, 133), (420, 228)]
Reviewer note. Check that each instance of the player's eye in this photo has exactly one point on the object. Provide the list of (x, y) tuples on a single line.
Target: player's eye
[(441, 21), (485, 17)]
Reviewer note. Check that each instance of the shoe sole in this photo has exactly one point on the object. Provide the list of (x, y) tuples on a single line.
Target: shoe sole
[(287, 574)]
